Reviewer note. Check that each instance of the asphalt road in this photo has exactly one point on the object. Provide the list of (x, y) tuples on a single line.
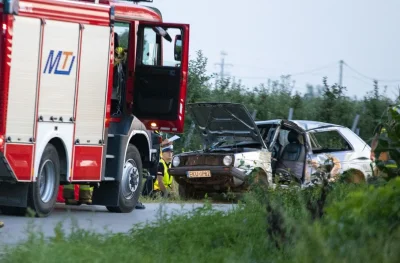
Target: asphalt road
[(95, 218)]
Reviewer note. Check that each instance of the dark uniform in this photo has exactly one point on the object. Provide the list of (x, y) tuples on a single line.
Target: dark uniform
[(163, 167)]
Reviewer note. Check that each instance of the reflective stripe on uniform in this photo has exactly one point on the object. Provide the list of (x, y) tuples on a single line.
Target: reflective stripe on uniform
[(85, 187), (167, 179), (69, 187)]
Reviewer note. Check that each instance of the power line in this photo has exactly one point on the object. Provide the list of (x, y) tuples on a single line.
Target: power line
[(360, 79), (310, 72), (370, 78)]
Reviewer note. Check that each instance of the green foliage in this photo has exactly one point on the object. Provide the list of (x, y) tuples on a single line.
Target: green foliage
[(124, 39), (388, 136), (361, 223), (272, 100)]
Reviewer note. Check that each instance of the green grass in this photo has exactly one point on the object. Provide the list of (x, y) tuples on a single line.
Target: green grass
[(360, 224), (176, 199)]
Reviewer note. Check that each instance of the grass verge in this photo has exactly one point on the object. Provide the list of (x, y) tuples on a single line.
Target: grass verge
[(358, 224)]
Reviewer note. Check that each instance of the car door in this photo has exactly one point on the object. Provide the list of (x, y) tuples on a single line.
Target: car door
[(329, 141)]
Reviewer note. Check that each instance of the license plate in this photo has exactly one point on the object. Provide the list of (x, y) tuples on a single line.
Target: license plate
[(198, 174)]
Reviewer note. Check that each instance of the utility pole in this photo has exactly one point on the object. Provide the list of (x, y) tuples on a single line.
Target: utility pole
[(223, 65), (254, 114), (341, 72), (290, 116), (355, 123)]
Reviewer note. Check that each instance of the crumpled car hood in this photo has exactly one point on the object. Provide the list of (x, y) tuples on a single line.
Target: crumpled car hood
[(216, 120)]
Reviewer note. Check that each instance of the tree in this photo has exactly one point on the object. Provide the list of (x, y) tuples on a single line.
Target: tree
[(272, 100)]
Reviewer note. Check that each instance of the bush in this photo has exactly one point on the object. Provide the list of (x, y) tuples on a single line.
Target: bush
[(360, 223)]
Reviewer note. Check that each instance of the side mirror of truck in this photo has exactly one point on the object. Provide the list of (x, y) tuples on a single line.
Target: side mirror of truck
[(178, 48), (11, 7)]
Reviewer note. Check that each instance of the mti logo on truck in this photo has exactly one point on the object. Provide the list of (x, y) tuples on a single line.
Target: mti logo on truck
[(54, 62)]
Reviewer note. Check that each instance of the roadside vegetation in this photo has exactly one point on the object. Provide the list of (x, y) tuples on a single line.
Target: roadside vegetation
[(353, 223), (335, 222)]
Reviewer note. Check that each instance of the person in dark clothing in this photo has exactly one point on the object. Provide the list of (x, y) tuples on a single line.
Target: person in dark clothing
[(163, 183), (150, 181)]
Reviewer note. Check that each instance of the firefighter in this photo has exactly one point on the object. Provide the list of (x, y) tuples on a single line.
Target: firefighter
[(164, 180), (383, 156), (85, 194)]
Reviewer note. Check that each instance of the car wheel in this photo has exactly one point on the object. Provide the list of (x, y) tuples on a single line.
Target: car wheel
[(258, 179), (131, 182), (354, 176), (186, 191)]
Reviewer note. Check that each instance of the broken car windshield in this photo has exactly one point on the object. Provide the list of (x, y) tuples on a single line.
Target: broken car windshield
[(226, 141)]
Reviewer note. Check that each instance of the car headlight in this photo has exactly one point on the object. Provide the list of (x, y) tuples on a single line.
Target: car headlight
[(227, 160), (176, 161)]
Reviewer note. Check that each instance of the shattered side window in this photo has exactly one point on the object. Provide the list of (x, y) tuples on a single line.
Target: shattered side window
[(313, 141), (330, 141)]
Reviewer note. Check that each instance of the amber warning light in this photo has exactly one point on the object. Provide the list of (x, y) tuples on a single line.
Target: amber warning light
[(1, 143)]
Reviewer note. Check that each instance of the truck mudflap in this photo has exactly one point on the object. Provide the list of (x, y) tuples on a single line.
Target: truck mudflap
[(12, 193), (6, 173), (108, 192)]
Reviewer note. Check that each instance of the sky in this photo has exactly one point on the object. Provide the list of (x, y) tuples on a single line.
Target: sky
[(269, 38)]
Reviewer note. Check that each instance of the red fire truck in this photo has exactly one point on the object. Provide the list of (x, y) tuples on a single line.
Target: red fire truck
[(70, 114)]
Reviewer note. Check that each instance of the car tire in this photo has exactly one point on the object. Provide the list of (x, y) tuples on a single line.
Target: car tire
[(186, 191), (130, 186), (258, 179)]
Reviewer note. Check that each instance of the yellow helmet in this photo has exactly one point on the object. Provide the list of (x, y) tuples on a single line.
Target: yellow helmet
[(119, 50)]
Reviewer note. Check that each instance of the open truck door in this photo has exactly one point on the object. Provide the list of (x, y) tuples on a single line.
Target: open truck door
[(161, 75)]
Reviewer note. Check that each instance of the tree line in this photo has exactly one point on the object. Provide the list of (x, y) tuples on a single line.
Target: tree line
[(327, 102)]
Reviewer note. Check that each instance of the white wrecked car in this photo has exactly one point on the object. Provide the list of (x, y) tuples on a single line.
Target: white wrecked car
[(236, 146)]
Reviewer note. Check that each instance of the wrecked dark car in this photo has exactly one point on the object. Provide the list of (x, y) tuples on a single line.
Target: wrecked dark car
[(276, 151)]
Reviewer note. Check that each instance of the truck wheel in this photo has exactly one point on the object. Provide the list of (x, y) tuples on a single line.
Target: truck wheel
[(131, 182), (42, 195)]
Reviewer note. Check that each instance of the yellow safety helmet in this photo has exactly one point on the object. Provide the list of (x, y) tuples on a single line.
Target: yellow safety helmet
[(119, 50)]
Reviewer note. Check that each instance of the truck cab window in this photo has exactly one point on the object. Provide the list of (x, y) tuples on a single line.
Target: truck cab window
[(151, 48), (158, 50), (121, 44)]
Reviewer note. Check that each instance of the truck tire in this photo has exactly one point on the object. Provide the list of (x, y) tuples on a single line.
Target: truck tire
[(130, 186), (42, 195)]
